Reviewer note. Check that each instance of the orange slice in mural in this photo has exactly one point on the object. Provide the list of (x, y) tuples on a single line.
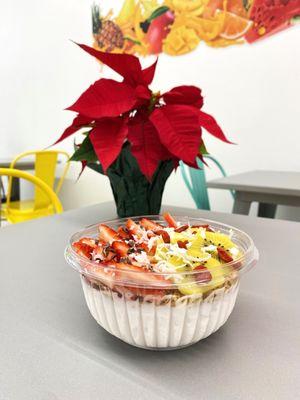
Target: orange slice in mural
[(211, 8), (234, 6), (237, 7), (234, 26)]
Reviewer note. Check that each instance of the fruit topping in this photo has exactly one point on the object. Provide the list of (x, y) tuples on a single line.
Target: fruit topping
[(147, 258), (164, 234), (181, 228), (207, 227), (107, 234), (224, 255), (170, 220), (182, 244), (83, 250), (123, 233), (120, 248), (219, 240), (204, 275), (88, 241), (150, 225)]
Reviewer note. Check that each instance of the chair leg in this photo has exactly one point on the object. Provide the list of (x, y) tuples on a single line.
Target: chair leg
[(267, 210), (2, 193), (15, 190)]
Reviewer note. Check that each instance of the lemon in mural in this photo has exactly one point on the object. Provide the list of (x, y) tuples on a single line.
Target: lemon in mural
[(177, 27)]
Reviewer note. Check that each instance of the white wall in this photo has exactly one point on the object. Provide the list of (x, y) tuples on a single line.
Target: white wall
[(252, 90)]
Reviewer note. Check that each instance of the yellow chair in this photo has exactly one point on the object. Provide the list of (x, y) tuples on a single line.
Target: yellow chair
[(18, 215), (45, 169)]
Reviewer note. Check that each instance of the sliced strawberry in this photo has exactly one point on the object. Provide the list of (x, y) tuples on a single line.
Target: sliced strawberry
[(181, 228), (89, 241), (139, 276), (134, 228), (123, 233), (83, 249), (182, 243), (170, 220), (143, 247), (104, 275), (224, 255), (103, 252), (164, 234), (107, 234), (109, 255), (204, 275), (150, 234), (98, 253), (120, 248), (150, 225)]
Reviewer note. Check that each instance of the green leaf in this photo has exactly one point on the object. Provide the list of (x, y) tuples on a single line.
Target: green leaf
[(246, 4), (156, 13), (295, 20), (132, 40), (96, 167), (96, 20), (203, 149), (85, 152)]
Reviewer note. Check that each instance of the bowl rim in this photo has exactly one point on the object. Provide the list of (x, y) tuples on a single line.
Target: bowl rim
[(246, 261)]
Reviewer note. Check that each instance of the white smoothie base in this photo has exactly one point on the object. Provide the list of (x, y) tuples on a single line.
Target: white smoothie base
[(164, 326)]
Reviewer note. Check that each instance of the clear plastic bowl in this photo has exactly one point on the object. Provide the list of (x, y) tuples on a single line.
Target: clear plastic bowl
[(159, 316)]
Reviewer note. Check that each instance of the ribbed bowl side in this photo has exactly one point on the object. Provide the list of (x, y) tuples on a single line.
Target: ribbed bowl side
[(168, 325)]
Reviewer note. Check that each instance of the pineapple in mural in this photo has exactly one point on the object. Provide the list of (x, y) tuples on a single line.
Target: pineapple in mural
[(108, 35)]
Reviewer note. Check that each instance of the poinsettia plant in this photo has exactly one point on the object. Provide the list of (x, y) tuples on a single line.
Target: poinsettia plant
[(135, 136)]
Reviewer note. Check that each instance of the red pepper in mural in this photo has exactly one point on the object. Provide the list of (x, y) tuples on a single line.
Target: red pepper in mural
[(158, 31)]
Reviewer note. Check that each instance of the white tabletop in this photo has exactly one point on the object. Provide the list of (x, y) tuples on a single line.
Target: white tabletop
[(52, 348)]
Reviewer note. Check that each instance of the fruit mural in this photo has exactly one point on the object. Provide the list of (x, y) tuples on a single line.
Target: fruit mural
[(177, 27)]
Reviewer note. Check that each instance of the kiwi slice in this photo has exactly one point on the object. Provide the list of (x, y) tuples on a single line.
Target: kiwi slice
[(219, 240), (217, 270), (189, 286)]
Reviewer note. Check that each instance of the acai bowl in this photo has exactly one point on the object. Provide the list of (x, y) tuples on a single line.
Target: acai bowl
[(161, 282)]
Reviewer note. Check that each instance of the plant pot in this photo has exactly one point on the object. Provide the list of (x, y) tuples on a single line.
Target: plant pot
[(133, 193)]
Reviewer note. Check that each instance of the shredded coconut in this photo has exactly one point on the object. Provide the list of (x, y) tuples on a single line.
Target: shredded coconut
[(152, 242), (141, 258), (211, 247)]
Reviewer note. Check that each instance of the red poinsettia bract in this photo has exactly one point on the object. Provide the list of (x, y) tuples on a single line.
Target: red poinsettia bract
[(158, 126)]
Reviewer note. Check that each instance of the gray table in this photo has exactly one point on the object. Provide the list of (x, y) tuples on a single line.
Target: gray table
[(22, 164), (52, 348), (268, 188)]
